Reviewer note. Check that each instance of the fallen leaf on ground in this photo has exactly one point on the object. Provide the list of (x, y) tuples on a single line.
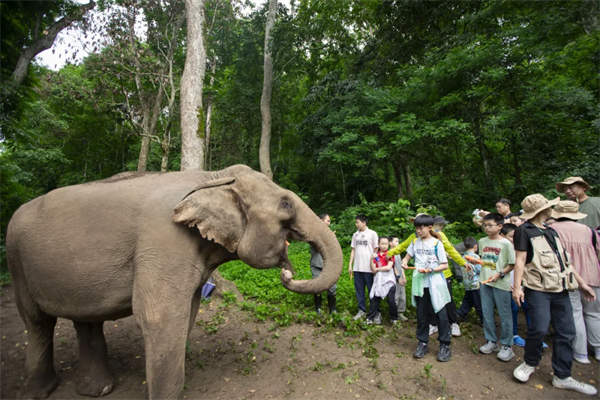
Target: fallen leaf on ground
[(538, 387), (226, 379)]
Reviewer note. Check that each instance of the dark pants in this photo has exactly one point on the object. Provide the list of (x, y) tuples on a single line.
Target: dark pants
[(472, 299), (545, 308), (362, 280), (392, 307), (515, 313), (450, 308), (424, 307)]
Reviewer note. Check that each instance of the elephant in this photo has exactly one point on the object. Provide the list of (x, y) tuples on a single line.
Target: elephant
[(144, 244)]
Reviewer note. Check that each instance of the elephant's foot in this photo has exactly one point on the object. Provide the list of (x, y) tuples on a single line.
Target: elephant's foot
[(39, 387), (94, 385)]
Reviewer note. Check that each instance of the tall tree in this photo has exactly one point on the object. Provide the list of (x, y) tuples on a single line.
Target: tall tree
[(265, 100), (192, 82), (43, 32)]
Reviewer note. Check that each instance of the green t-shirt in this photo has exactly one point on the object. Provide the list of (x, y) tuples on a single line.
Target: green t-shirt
[(591, 207), (496, 255)]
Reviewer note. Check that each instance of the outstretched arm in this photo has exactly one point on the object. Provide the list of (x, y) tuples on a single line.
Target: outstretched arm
[(401, 248)]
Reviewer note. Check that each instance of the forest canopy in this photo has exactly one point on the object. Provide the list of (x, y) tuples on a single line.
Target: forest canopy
[(451, 104)]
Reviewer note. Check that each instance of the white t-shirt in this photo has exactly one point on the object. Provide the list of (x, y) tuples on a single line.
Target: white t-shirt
[(364, 245), (424, 253)]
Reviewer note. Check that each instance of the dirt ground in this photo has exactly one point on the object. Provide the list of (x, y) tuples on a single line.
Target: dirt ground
[(248, 360)]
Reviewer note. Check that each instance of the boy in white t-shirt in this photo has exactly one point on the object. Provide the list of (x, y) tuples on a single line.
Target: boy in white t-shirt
[(429, 287), (364, 243)]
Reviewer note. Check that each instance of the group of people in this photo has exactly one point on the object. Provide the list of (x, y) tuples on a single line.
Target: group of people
[(543, 259)]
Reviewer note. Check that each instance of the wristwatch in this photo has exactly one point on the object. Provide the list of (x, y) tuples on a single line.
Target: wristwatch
[(502, 275)]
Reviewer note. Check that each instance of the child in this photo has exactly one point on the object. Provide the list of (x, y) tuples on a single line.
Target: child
[(400, 281), (429, 287), (316, 268), (364, 243), (498, 258), (508, 232), (384, 284), (471, 281), (515, 218)]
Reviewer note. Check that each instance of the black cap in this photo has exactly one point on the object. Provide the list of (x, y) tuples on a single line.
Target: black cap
[(440, 220)]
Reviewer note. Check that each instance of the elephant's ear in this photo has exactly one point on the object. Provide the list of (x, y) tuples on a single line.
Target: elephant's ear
[(215, 208)]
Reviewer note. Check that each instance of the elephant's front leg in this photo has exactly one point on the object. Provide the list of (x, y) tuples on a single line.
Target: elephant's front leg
[(164, 316)]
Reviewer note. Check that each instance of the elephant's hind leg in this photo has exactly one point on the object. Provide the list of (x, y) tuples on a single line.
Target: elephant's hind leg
[(93, 378), (41, 375)]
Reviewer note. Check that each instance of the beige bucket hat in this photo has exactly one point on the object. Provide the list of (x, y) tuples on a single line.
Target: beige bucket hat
[(567, 209), (534, 203), (560, 186), (411, 220)]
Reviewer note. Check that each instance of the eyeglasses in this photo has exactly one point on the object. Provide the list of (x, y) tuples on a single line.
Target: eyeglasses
[(489, 226)]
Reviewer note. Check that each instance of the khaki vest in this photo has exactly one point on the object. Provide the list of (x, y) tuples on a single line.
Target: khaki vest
[(545, 272)]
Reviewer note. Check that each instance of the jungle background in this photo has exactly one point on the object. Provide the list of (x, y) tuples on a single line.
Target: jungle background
[(379, 107)]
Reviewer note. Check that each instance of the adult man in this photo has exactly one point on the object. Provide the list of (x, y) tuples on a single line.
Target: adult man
[(503, 208), (364, 243), (575, 188), (542, 267)]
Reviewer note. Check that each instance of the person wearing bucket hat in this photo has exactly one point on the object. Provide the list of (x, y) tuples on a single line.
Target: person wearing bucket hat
[(583, 244), (543, 268), (576, 189)]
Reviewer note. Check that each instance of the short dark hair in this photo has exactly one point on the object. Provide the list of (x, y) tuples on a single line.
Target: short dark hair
[(362, 218), (496, 217), (322, 216), (514, 214), (423, 220), (391, 237), (469, 242), (504, 201), (508, 228), (383, 237)]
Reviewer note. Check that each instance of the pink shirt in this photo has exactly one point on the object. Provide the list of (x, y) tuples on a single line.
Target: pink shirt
[(577, 240)]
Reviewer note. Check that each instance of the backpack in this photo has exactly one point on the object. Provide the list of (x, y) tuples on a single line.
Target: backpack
[(550, 268)]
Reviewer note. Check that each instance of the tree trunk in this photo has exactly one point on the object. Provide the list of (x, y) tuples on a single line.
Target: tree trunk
[(192, 116), (479, 139), (45, 42), (265, 100), (145, 147), (407, 182), (209, 109), (397, 168)]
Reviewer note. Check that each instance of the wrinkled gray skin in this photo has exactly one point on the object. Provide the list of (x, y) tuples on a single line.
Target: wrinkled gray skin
[(145, 245)]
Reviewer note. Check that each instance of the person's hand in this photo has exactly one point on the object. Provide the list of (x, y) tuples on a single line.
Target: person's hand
[(587, 292), (350, 272), (402, 281), (404, 264), (518, 296), (468, 267), (495, 277), (374, 255), (512, 288)]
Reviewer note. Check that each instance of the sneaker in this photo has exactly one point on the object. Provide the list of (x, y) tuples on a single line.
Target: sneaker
[(506, 353), (570, 383), (369, 322), (581, 358), (444, 353), (455, 329), (421, 350), (378, 319), (489, 347), (519, 341), (361, 314), (523, 372), (402, 318), (432, 329), (395, 322)]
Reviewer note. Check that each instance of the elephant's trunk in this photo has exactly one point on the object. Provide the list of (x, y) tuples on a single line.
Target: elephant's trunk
[(311, 229)]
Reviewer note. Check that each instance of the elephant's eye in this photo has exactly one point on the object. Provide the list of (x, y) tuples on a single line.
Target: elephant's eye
[(286, 204)]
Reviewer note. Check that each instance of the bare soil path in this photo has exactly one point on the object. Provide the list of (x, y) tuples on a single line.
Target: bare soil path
[(244, 359)]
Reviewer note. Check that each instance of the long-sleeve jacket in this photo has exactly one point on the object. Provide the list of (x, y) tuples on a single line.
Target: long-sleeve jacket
[(454, 255)]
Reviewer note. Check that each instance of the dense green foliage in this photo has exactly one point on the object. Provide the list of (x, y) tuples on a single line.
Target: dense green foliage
[(379, 107)]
